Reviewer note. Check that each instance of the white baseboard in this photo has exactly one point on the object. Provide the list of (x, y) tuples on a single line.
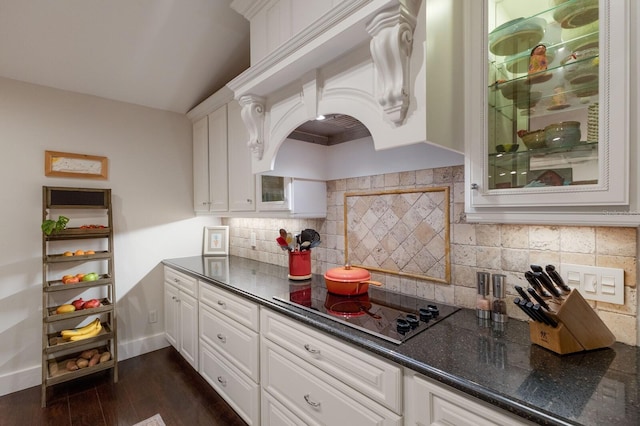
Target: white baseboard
[(29, 377)]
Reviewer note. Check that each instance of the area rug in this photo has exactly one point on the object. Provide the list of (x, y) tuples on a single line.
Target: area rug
[(152, 421)]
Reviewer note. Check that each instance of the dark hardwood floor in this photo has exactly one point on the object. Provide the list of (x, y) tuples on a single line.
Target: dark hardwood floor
[(157, 382)]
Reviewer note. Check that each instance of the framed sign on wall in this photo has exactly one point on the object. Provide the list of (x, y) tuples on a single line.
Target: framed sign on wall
[(66, 164)]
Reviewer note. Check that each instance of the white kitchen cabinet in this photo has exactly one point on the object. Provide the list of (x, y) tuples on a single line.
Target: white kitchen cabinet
[(315, 396), (324, 381), (430, 403), (293, 197), (181, 314), (229, 349), (242, 182), (586, 81), (210, 188)]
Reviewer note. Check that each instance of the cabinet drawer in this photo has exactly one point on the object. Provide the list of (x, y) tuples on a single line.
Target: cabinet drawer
[(235, 307), (242, 394), (186, 283), (436, 404), (314, 396), (236, 342), (273, 413), (378, 379)]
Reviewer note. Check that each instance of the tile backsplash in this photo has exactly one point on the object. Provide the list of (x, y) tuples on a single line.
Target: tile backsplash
[(506, 249)]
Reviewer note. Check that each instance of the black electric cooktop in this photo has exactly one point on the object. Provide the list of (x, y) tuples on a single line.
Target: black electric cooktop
[(391, 316)]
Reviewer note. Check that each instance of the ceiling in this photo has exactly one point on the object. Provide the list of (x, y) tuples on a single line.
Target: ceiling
[(164, 54)]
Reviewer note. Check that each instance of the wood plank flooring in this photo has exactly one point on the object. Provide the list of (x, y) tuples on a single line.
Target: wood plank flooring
[(156, 382)]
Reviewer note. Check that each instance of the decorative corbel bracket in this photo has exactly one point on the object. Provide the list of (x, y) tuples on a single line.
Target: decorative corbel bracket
[(252, 114), (391, 44)]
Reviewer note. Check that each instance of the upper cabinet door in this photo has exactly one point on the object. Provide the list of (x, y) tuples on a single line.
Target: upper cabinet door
[(242, 187), (547, 129), (218, 183)]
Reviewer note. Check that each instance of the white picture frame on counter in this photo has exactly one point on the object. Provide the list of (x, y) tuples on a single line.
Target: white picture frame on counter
[(216, 241)]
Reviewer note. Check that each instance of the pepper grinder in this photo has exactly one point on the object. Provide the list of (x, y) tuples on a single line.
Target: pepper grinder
[(483, 305), (499, 305)]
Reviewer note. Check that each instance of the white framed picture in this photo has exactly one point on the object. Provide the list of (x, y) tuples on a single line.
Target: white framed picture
[(216, 241)]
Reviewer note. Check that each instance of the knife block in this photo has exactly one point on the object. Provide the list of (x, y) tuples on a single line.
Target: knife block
[(579, 328)]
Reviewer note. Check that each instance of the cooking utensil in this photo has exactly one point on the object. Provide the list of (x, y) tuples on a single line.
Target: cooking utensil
[(546, 283), (546, 318), (545, 279), (522, 294), (538, 299), (348, 281), (310, 235), (522, 305), (282, 243), (555, 276), (531, 278)]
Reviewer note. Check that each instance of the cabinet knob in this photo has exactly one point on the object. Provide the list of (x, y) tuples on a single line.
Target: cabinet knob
[(176, 280), (249, 201), (175, 299), (221, 303), (222, 381), (311, 350), (314, 404), (474, 186), (222, 338)]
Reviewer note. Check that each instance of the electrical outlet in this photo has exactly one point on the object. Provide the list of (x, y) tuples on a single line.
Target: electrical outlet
[(594, 282), (153, 316), (253, 239)]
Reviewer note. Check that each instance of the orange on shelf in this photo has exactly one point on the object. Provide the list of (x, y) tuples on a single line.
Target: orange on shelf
[(89, 252), (67, 253), (79, 252)]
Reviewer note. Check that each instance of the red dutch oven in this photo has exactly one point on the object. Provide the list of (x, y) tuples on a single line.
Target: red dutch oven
[(348, 281)]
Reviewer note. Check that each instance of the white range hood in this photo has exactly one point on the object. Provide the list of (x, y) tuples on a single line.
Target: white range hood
[(361, 58)]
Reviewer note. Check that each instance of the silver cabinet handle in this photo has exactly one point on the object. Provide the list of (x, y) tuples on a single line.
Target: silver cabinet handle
[(311, 350), (222, 381), (221, 303), (176, 280), (474, 186), (222, 338), (175, 299), (249, 200), (314, 404)]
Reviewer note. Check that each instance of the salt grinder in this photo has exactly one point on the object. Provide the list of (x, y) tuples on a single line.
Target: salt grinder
[(499, 305), (483, 305)]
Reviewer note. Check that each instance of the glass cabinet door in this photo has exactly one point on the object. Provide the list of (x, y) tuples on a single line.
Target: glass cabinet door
[(547, 94), (543, 93)]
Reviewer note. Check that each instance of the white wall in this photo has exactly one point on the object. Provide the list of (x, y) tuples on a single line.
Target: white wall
[(150, 174)]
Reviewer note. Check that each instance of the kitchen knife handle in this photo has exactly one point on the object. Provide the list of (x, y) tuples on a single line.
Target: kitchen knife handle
[(522, 294), (536, 284), (538, 299), (546, 282), (555, 276), (541, 318), (518, 302), (553, 323)]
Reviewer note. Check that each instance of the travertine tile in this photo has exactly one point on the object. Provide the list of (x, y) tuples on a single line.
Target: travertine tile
[(464, 234), (445, 294), (489, 257), (544, 238), (515, 260), (426, 290), (463, 255), (515, 236), (624, 327), (488, 235), (391, 180), (578, 239), (616, 241), (443, 175), (462, 275), (578, 259), (465, 297), (408, 286), (407, 179), (544, 258), (424, 177)]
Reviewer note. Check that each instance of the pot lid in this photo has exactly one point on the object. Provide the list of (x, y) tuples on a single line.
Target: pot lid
[(348, 273)]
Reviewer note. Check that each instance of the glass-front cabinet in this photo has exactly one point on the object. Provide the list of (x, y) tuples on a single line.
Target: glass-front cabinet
[(546, 117)]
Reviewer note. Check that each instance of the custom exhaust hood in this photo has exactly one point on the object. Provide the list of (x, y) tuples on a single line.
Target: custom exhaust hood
[(361, 64)]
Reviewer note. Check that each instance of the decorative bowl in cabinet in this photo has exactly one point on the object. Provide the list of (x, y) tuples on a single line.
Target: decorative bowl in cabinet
[(563, 133), (534, 139), (508, 147), (576, 13), (516, 36)]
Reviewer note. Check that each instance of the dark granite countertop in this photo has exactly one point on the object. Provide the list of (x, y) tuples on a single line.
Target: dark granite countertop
[(499, 366)]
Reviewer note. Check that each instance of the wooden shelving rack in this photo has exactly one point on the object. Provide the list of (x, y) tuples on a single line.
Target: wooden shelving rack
[(80, 204)]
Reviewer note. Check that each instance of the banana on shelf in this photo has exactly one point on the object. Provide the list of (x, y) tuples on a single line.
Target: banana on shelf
[(90, 330)]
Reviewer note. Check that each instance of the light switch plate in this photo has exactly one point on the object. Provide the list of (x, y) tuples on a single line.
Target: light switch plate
[(595, 282), (253, 239)]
